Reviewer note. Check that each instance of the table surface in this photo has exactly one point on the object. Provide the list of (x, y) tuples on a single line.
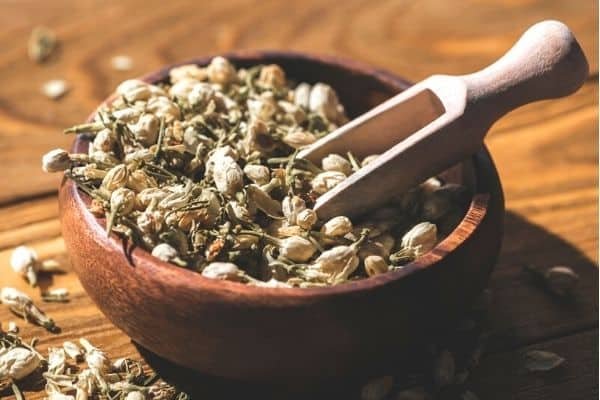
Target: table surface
[(546, 153)]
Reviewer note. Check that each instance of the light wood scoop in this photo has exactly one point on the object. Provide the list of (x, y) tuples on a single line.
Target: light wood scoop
[(443, 119)]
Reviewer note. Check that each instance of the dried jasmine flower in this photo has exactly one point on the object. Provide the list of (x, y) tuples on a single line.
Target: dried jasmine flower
[(55, 88), (22, 305), (18, 363), (561, 280), (59, 295), (24, 262), (202, 171), (42, 43), (121, 63), (377, 389), (538, 360)]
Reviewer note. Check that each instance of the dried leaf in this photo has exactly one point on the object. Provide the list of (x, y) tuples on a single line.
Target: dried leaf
[(539, 360)]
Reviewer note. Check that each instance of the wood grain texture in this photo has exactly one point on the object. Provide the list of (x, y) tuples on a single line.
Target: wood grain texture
[(546, 153)]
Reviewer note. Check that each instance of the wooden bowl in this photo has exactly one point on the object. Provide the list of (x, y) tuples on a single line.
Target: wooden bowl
[(230, 330)]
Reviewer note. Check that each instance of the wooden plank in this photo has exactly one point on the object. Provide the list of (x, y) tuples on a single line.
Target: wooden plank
[(501, 376)]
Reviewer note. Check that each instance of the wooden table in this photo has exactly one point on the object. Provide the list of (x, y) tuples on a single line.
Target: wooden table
[(546, 153)]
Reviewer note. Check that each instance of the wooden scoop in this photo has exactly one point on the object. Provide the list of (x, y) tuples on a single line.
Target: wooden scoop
[(443, 119)]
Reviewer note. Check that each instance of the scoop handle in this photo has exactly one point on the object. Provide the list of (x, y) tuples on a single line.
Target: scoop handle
[(545, 63)]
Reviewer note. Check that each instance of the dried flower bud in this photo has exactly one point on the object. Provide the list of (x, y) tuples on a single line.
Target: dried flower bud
[(162, 107), (306, 219), (23, 261), (377, 389), (146, 129), (57, 359), (135, 395), (73, 351), (337, 226), (18, 363), (58, 295), (271, 76), (133, 90), (375, 265), (302, 95), (56, 160), (104, 141), (298, 138), (262, 108), (369, 159), (139, 180), (561, 280), (12, 328), (221, 71), (22, 305), (41, 44), (291, 206), (263, 201), (443, 369), (95, 358), (420, 239), (165, 252), (228, 175), (55, 88), (126, 115), (325, 181), (189, 71), (324, 100), (335, 162), (115, 178), (297, 248), (221, 270), (258, 138), (122, 200), (295, 112), (258, 174), (337, 263)]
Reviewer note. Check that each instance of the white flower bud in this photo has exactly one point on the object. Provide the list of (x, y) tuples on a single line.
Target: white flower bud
[(324, 100), (262, 108), (262, 200), (296, 248), (325, 181), (162, 107), (228, 175), (258, 174), (271, 76), (420, 239), (258, 138), (133, 90), (335, 162), (369, 159), (291, 206), (126, 115), (302, 95), (95, 358), (56, 160), (292, 110), (104, 141), (221, 270), (135, 395), (221, 71), (337, 263), (189, 71), (337, 226), (73, 351), (57, 359), (165, 252), (146, 129), (561, 280), (122, 200), (115, 178), (23, 261), (18, 363), (139, 180), (375, 265), (201, 94), (306, 219), (299, 138)]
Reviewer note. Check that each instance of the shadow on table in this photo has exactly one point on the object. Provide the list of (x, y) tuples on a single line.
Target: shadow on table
[(519, 301)]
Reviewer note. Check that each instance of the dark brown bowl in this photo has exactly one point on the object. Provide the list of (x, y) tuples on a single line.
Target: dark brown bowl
[(235, 331)]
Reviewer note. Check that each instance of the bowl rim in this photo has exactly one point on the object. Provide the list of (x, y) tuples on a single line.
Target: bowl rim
[(165, 271)]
